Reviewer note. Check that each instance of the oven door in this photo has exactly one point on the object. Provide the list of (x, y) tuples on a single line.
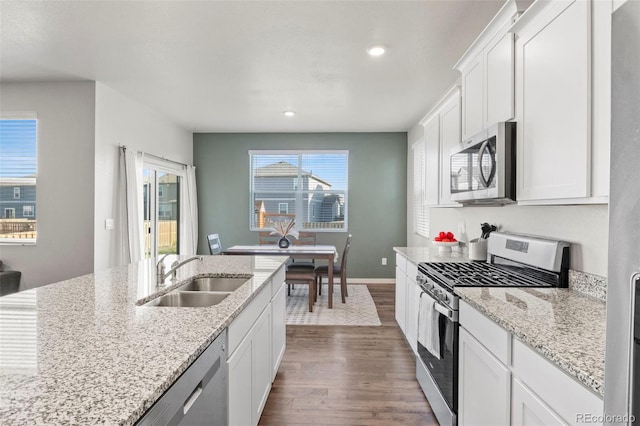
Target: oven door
[(439, 377)]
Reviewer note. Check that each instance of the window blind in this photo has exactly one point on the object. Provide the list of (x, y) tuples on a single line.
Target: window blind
[(308, 187), (18, 174), (420, 211)]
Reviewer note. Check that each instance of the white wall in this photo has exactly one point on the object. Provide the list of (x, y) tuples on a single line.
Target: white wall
[(586, 227), (122, 121), (65, 185)]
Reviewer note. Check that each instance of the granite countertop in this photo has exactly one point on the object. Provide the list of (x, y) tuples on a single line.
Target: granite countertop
[(564, 325), (431, 254), (83, 351)]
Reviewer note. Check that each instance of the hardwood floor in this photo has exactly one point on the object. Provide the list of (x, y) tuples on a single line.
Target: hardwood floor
[(340, 375)]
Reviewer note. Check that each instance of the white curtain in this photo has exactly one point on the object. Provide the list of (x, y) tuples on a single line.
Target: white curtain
[(131, 187), (189, 225)]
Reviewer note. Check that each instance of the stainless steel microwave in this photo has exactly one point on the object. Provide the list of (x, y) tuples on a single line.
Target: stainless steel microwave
[(483, 167)]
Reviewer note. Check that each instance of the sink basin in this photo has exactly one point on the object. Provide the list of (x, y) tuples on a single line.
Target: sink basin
[(189, 299), (214, 284)]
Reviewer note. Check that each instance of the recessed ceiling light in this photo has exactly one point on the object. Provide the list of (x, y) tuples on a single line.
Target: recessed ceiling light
[(376, 50), (289, 113)]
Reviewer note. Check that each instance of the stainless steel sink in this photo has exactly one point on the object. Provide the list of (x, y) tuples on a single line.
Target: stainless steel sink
[(189, 299), (214, 284)]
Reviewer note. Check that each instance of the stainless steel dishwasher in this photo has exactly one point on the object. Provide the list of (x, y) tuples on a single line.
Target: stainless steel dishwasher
[(199, 396)]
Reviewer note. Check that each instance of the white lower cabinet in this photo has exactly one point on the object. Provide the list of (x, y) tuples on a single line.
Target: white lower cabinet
[(413, 307), (256, 340), (529, 410), (407, 300), (278, 328), (484, 385), (261, 363), (503, 381), (240, 366), (401, 298)]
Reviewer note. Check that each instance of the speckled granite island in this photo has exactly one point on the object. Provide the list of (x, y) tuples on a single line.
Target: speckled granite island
[(83, 351)]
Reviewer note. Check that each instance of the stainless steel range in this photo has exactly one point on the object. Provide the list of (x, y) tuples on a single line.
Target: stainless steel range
[(514, 261)]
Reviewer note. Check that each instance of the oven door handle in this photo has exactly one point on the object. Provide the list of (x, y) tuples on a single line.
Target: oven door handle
[(449, 313)]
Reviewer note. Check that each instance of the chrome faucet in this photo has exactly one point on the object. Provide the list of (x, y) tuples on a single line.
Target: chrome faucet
[(160, 268)]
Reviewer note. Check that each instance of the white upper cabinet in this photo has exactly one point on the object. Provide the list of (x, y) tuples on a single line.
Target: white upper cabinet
[(441, 133), (561, 110), (487, 73), (449, 138), (472, 97), (432, 159)]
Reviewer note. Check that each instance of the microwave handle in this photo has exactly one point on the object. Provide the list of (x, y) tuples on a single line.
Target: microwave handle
[(485, 181)]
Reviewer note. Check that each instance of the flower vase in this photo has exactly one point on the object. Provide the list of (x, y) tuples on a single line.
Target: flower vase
[(284, 243)]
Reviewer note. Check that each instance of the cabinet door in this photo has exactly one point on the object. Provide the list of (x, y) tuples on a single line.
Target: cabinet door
[(240, 372), (554, 127), (472, 96), (278, 328), (401, 290), (449, 137), (484, 385), (413, 305), (529, 410), (432, 160), (261, 363), (499, 79)]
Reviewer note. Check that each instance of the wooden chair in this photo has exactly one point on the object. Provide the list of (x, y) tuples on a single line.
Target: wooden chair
[(304, 277), (304, 239), (215, 247), (338, 270)]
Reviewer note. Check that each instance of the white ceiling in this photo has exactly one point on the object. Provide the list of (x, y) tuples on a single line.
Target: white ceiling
[(235, 66)]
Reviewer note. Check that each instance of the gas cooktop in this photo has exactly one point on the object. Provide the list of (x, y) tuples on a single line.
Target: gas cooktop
[(485, 275), (514, 261)]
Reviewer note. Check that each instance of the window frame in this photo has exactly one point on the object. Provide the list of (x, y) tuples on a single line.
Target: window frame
[(420, 209), (156, 165), (17, 193), (26, 116), (31, 208), (296, 187)]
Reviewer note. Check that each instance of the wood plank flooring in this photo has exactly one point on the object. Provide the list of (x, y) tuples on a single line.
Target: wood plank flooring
[(339, 375)]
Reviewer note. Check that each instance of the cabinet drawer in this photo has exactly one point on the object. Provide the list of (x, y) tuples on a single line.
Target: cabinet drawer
[(495, 338), (277, 281), (563, 394), (240, 326), (412, 271), (401, 262)]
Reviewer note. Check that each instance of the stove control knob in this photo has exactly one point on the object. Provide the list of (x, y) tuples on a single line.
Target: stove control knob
[(438, 294), (429, 286)]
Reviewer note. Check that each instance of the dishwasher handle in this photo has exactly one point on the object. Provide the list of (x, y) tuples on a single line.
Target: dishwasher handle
[(192, 398)]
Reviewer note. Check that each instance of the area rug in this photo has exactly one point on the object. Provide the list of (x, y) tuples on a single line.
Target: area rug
[(358, 310)]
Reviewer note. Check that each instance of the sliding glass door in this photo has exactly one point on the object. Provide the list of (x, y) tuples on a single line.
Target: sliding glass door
[(161, 193)]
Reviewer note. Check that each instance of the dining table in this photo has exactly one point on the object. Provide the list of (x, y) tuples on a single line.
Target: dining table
[(326, 252)]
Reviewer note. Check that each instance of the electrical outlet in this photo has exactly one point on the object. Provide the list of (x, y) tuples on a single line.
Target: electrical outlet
[(384, 261), (108, 224)]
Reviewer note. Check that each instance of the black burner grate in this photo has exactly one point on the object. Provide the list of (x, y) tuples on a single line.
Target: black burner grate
[(486, 275)]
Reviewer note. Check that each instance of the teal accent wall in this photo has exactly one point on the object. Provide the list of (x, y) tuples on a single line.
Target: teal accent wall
[(377, 208)]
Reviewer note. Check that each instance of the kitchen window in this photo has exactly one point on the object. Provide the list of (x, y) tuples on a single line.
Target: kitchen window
[(310, 187), (420, 210), (18, 175)]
